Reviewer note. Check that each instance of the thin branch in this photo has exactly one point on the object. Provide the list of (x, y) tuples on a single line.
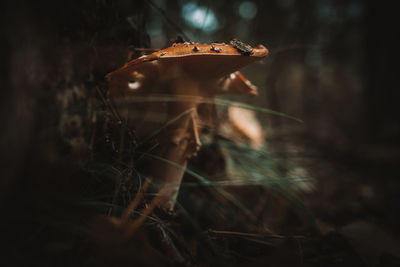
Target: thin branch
[(132, 206)]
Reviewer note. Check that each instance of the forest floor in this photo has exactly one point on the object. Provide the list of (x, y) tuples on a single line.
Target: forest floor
[(355, 205)]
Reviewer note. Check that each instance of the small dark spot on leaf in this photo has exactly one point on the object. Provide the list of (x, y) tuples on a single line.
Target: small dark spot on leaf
[(216, 49), (243, 48)]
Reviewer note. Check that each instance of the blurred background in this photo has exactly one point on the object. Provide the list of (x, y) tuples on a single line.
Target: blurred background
[(332, 64)]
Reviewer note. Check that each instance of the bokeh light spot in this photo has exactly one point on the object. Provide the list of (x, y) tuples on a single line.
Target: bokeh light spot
[(200, 17), (247, 10)]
